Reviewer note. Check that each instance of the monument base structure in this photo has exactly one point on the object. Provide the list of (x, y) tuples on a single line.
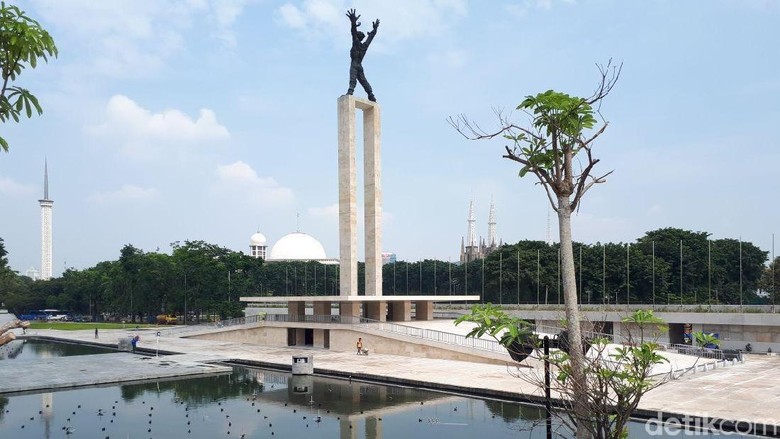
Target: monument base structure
[(354, 309)]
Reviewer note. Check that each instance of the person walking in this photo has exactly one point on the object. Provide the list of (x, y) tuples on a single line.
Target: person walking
[(359, 346)]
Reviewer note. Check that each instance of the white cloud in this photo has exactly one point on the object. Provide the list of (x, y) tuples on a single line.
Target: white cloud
[(127, 192), (239, 182), (225, 13), (292, 16), (14, 189), (141, 133), (132, 38), (399, 19)]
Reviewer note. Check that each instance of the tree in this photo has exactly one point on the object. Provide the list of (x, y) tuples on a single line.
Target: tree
[(769, 280), (557, 149), (22, 42), (617, 375)]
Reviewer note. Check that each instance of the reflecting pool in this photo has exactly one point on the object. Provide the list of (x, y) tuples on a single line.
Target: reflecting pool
[(26, 349), (258, 403)]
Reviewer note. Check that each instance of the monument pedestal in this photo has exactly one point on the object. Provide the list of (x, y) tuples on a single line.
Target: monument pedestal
[(372, 194)]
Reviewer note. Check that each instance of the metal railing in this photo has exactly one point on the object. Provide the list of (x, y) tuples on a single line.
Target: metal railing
[(659, 307), (238, 321), (335, 319), (433, 335), (665, 346)]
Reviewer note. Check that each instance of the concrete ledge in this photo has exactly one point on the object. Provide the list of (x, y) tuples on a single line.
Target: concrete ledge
[(312, 299)]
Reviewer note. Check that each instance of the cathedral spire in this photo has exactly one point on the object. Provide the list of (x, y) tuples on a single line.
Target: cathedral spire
[(471, 238), (491, 241)]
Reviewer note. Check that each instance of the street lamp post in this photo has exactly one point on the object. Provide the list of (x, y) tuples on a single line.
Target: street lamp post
[(185, 298)]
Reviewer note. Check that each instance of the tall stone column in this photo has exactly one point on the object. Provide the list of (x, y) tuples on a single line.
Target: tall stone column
[(372, 193), (347, 198)]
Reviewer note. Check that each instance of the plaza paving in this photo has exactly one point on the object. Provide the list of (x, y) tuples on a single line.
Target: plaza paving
[(748, 392)]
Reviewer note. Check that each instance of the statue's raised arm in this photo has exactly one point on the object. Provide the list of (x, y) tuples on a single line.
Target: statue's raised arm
[(358, 51), (372, 32), (353, 18)]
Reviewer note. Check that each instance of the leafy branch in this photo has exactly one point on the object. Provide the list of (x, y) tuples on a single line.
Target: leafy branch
[(22, 43)]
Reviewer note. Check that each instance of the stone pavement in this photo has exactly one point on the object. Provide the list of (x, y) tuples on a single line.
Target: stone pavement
[(749, 392)]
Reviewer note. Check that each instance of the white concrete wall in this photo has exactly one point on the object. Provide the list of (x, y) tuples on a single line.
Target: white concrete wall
[(268, 336), (344, 340)]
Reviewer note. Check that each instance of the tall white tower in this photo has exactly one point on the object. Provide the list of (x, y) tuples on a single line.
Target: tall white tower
[(492, 225), (471, 237), (46, 207)]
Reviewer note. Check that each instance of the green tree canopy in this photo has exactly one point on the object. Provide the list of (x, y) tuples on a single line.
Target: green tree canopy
[(22, 43)]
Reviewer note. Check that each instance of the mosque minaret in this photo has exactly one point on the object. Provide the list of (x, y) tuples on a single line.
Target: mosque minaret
[(46, 241)]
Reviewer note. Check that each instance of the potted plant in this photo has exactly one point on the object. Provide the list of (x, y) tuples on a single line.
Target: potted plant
[(514, 333)]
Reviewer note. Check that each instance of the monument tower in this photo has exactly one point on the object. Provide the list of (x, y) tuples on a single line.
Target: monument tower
[(372, 175), (372, 194), (46, 242), (373, 304)]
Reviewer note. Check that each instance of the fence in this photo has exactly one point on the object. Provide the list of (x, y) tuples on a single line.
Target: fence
[(433, 335)]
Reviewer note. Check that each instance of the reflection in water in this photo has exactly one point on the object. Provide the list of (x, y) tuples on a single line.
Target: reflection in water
[(510, 412), (28, 349), (256, 403)]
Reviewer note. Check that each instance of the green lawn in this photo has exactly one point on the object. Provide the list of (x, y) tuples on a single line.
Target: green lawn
[(73, 326)]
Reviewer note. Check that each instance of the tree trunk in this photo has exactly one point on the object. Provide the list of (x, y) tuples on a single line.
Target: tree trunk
[(577, 356)]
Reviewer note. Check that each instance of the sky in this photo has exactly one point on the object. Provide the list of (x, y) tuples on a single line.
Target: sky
[(210, 120)]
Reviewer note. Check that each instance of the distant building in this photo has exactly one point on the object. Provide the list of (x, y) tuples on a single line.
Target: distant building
[(296, 246), (257, 246), (33, 274), (388, 258), (470, 249)]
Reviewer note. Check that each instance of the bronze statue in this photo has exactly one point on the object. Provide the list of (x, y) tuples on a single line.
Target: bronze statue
[(357, 53)]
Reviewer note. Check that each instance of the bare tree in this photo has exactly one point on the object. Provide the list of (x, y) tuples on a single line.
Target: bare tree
[(557, 150)]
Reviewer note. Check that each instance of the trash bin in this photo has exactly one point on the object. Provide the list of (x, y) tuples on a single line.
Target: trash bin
[(302, 364)]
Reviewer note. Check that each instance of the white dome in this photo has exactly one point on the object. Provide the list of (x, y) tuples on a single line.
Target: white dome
[(258, 239), (297, 246)]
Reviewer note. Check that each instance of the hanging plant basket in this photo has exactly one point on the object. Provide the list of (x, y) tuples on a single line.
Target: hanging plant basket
[(519, 351)]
